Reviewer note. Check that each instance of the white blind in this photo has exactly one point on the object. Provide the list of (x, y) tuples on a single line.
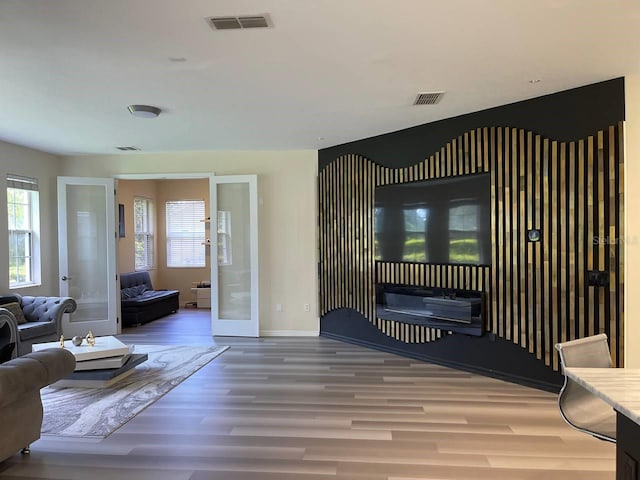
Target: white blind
[(185, 233), (24, 183)]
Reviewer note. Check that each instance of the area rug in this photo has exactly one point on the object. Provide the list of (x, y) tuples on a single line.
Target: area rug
[(97, 412)]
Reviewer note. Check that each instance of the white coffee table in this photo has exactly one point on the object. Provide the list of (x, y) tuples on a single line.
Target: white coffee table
[(101, 365), (104, 347)]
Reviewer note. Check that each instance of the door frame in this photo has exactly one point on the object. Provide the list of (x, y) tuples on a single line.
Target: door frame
[(213, 262), (169, 176)]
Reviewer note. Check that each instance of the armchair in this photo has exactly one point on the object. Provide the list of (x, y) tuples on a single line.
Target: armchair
[(40, 318), (20, 404)]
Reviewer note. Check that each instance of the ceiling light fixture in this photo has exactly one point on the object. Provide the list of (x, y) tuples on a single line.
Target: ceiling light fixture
[(144, 111)]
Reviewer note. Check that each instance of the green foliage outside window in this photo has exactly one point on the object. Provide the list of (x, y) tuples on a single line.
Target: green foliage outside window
[(464, 250)]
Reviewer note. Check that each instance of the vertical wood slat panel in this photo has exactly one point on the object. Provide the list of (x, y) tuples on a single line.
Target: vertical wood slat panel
[(621, 316), (538, 250), (590, 233), (571, 247), (531, 323), (516, 245), (321, 241), (552, 215), (546, 310), (569, 307), (500, 314), (522, 209), (472, 146), (581, 239), (601, 244), (507, 244), (495, 193), (613, 242)]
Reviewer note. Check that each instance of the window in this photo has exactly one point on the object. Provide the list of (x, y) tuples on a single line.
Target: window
[(24, 231), (143, 230), (185, 233)]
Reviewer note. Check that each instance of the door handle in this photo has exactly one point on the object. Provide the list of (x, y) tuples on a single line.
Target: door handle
[(65, 278)]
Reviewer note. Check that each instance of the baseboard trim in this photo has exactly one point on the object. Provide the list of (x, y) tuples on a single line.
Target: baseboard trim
[(289, 333), (527, 382)]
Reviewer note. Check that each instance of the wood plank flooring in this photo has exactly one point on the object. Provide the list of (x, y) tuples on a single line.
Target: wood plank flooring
[(314, 408)]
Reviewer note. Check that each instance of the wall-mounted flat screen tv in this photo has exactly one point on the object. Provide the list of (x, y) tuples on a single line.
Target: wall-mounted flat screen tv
[(434, 221)]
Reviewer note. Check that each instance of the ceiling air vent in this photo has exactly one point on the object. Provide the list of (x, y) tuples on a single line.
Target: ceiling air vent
[(128, 149), (253, 22), (428, 98), (236, 23)]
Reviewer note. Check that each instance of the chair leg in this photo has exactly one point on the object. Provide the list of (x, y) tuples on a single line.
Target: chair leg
[(26, 450)]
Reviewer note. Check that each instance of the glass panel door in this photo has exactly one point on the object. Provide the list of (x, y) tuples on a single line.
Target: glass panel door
[(234, 228), (86, 241)]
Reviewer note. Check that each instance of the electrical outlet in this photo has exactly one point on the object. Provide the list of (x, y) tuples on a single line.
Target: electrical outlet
[(307, 307), (278, 307)]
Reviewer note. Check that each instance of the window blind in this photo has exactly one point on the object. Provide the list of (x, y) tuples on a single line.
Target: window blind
[(24, 183), (185, 233)]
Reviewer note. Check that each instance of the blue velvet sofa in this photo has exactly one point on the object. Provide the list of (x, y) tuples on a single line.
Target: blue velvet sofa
[(140, 303)]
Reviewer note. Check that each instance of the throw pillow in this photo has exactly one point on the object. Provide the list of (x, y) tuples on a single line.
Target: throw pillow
[(14, 308)]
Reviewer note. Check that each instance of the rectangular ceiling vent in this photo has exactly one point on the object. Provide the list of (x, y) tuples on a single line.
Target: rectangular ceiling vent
[(128, 149), (237, 23), (430, 98)]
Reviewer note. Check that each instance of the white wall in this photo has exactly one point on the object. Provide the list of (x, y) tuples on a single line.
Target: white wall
[(32, 163), (632, 221), (287, 219)]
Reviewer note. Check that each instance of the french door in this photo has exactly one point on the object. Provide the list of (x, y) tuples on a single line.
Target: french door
[(234, 255), (87, 254)]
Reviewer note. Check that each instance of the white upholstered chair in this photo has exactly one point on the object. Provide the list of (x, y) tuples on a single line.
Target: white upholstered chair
[(580, 408)]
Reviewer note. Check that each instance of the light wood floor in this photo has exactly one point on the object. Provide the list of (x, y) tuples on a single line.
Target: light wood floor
[(314, 408)]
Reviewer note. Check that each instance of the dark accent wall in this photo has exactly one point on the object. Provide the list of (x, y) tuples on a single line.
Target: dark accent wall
[(564, 116), (567, 182)]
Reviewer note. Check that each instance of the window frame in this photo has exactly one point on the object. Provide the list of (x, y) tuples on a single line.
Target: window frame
[(31, 208), (147, 234)]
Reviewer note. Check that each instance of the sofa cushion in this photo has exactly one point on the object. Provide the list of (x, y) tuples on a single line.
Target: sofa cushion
[(16, 310), (148, 297), (36, 329), (134, 279)]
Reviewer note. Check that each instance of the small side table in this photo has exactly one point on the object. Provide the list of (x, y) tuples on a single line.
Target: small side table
[(203, 297)]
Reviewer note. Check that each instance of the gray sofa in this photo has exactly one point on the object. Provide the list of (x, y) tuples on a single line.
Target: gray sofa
[(42, 318), (20, 404)]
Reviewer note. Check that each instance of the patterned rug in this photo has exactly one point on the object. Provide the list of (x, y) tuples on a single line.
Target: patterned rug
[(97, 412)]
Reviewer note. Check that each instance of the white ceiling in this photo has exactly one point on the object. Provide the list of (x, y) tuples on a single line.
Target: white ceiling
[(327, 72)]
